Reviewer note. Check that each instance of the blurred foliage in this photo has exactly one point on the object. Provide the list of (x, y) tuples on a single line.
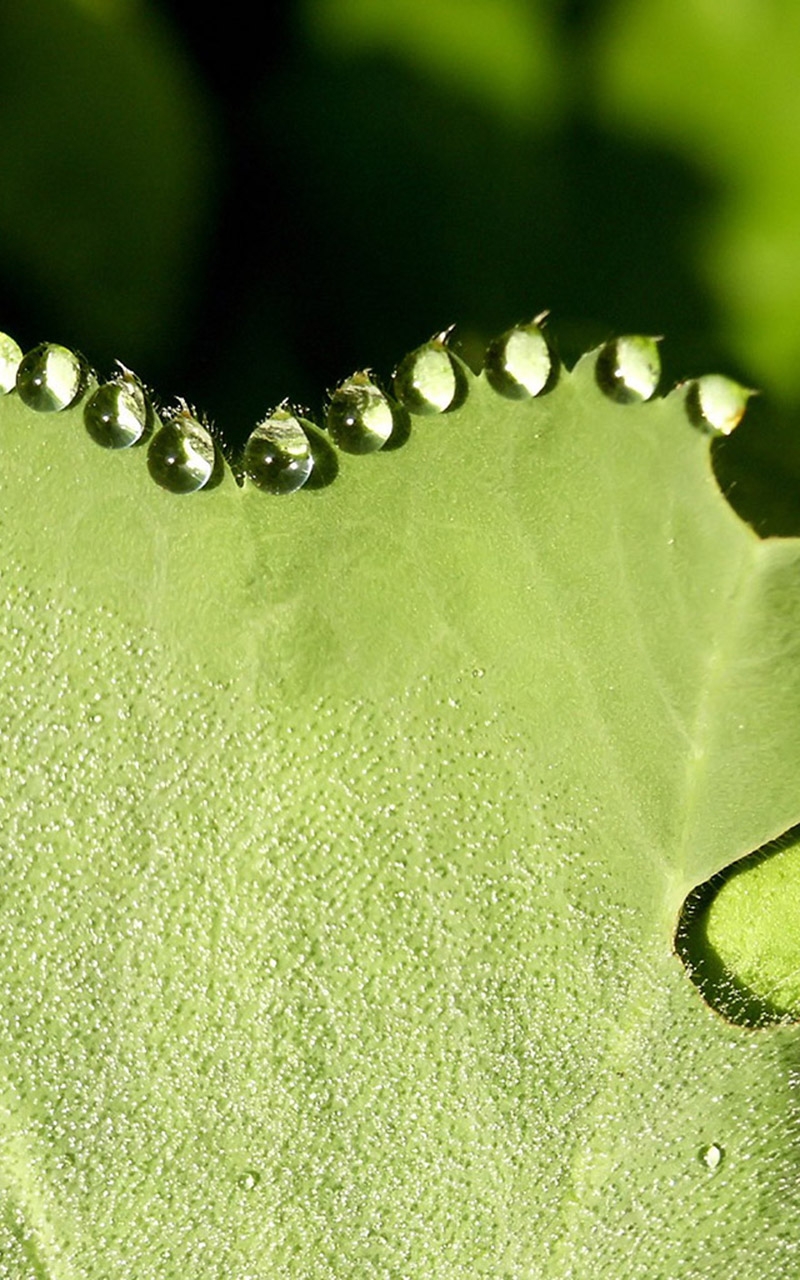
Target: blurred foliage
[(108, 176), (501, 53), (718, 82), (378, 169)]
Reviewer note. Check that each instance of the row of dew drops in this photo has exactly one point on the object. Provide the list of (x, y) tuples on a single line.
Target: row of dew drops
[(287, 451)]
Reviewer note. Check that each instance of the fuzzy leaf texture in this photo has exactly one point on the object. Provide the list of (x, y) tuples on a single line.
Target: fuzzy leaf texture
[(345, 836)]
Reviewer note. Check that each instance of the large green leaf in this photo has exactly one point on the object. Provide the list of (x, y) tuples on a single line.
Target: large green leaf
[(344, 840)]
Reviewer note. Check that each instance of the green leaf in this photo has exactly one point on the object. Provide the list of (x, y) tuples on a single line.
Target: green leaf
[(108, 171), (345, 839), (717, 83), (739, 936), (502, 53)]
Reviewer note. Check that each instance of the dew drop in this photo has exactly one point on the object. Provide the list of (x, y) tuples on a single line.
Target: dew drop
[(118, 414), (628, 369), (182, 455), (429, 380), (716, 403), (359, 415), (10, 357), (520, 362), (249, 1180), (50, 378), (278, 456), (712, 1156)]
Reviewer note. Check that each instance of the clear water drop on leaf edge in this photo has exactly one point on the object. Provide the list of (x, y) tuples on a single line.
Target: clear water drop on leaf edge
[(628, 368), (716, 404), (429, 380), (182, 455), (50, 378), (359, 417), (277, 456), (118, 415), (520, 363)]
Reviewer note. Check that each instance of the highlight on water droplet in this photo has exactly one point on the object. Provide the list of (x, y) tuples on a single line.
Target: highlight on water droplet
[(716, 404), (277, 457), (430, 379), (10, 357), (50, 378), (182, 455), (248, 1180), (520, 363), (359, 417), (712, 1156), (628, 368), (118, 414)]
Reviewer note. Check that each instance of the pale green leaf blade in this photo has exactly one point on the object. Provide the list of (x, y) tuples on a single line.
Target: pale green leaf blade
[(346, 835)]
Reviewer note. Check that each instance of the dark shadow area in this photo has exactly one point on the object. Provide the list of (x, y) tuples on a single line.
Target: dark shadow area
[(758, 468), (401, 427), (366, 208), (326, 462), (721, 988)]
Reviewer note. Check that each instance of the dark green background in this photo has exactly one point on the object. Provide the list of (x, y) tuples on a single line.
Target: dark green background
[(242, 220)]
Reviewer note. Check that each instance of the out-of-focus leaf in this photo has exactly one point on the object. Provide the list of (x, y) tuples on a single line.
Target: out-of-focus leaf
[(502, 53), (107, 173), (719, 82)]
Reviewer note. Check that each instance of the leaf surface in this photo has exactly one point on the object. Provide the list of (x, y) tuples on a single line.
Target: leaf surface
[(345, 837)]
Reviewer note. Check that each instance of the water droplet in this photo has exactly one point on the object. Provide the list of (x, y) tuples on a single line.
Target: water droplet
[(324, 456), (628, 369), (359, 416), (277, 456), (430, 380), (50, 378), (118, 414), (520, 362), (716, 404), (182, 455), (478, 673), (712, 1156), (248, 1180), (10, 357)]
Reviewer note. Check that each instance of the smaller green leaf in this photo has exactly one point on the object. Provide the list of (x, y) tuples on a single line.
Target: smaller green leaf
[(740, 937)]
